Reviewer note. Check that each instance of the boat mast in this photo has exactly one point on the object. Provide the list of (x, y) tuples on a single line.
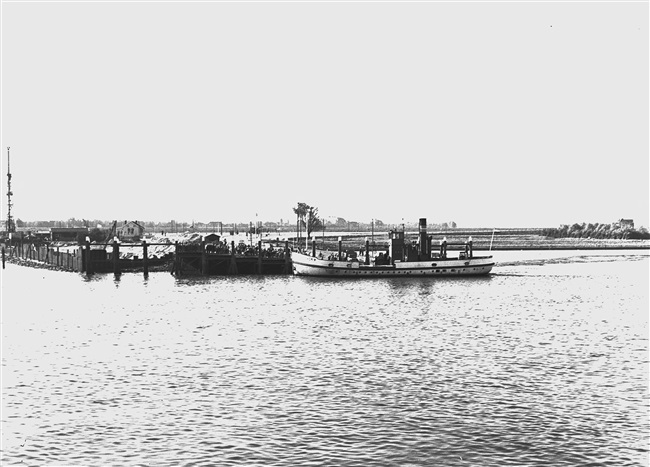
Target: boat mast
[(11, 226)]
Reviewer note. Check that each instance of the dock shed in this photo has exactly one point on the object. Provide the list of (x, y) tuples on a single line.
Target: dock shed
[(211, 238), (67, 234)]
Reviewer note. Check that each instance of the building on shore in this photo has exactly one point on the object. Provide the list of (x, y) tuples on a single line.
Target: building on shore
[(129, 231), (626, 223), (67, 234)]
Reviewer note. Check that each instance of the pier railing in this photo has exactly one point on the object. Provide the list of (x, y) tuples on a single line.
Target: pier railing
[(178, 258), (224, 259), (66, 258)]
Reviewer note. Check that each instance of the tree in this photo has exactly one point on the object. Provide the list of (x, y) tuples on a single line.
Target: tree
[(313, 222), (301, 211), (642, 234), (97, 235), (575, 230), (307, 218)]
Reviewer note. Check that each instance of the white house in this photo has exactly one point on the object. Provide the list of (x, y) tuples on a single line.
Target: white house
[(626, 223), (129, 230)]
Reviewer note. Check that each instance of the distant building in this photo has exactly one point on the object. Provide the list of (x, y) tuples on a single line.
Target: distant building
[(626, 223), (329, 220), (211, 238), (129, 230), (67, 234), (42, 235)]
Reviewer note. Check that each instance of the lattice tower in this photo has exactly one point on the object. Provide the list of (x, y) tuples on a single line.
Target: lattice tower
[(11, 225)]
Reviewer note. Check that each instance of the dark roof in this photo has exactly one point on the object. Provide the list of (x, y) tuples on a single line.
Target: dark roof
[(68, 229), (131, 222)]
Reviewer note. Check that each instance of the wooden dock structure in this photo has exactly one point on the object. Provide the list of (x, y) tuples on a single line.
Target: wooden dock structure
[(197, 259), (186, 259), (53, 257), (191, 259)]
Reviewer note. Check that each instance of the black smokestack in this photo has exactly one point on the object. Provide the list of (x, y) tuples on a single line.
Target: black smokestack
[(424, 251)]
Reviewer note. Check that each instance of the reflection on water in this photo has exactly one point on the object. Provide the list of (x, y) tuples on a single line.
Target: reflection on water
[(544, 362)]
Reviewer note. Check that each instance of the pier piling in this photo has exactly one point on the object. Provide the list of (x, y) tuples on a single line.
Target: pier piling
[(145, 257), (204, 258), (116, 257), (88, 262), (233, 262), (3, 257), (177, 260), (367, 251)]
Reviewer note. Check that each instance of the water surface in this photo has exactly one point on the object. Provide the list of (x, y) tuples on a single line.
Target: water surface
[(544, 362)]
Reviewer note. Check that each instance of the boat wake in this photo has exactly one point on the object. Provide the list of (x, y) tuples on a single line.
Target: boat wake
[(570, 260)]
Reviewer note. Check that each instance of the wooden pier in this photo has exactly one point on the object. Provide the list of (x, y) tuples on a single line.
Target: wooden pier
[(197, 259), (54, 257), (186, 259)]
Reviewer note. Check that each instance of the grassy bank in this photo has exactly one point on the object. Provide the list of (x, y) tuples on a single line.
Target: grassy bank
[(482, 239)]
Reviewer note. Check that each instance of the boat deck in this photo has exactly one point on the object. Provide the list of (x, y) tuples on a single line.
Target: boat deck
[(313, 266)]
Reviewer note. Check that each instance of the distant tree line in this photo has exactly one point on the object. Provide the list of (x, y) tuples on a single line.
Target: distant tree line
[(307, 220), (599, 231), (72, 222)]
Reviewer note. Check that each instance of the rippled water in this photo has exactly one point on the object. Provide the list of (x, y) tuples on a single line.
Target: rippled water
[(544, 362)]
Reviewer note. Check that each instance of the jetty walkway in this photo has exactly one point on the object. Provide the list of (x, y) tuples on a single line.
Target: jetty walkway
[(178, 258)]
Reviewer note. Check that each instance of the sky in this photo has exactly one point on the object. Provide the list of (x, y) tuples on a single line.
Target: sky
[(488, 114)]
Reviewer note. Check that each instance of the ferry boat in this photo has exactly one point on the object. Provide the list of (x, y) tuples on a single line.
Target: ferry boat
[(401, 259)]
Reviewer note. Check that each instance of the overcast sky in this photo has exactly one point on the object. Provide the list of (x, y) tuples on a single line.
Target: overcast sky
[(487, 114)]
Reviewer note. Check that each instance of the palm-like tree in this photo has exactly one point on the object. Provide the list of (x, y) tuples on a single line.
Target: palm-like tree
[(307, 218), (301, 211), (313, 222)]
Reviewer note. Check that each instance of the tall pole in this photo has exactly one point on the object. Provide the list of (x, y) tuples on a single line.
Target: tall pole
[(11, 227)]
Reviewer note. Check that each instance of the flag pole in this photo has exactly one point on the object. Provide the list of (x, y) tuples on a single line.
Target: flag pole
[(491, 241)]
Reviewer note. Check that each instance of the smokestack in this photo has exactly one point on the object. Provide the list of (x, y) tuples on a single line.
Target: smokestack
[(424, 251)]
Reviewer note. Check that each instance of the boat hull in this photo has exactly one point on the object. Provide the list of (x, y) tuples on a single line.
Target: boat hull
[(304, 265)]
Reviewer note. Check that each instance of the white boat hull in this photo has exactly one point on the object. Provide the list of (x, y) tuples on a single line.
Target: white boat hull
[(304, 265)]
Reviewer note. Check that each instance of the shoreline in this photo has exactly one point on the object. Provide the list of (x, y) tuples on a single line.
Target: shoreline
[(486, 243), (330, 247)]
